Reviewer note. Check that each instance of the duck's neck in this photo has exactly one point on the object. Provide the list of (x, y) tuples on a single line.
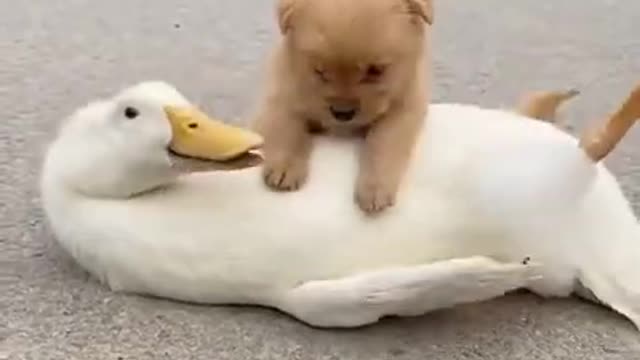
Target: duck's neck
[(110, 177)]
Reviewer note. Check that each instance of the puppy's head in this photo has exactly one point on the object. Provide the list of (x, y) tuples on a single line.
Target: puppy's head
[(353, 58)]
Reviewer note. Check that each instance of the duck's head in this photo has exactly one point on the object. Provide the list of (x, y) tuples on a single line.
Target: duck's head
[(127, 144)]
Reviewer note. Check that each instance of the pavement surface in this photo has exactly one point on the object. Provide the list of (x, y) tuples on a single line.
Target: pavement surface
[(57, 55)]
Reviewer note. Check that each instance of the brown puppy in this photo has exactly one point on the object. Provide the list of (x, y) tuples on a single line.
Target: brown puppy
[(354, 67)]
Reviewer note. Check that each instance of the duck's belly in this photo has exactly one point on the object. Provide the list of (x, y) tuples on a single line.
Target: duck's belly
[(224, 237), (248, 237), (258, 241)]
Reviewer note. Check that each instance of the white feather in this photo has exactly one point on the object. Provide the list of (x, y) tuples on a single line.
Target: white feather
[(483, 183)]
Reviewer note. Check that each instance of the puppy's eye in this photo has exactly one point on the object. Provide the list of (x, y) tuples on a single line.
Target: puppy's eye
[(193, 125), (321, 75), (131, 112), (373, 73)]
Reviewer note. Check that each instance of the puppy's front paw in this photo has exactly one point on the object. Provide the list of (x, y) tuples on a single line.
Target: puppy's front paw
[(285, 177), (374, 197)]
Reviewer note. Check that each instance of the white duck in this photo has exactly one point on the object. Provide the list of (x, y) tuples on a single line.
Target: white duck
[(488, 188)]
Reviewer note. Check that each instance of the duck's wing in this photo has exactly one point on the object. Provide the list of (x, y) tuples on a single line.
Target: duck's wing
[(405, 291)]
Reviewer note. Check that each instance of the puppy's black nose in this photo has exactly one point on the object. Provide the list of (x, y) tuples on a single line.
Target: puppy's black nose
[(343, 113)]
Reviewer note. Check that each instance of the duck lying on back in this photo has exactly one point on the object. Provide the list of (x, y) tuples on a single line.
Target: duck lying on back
[(488, 190)]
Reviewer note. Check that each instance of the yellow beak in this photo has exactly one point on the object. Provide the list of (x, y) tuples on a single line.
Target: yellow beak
[(198, 136)]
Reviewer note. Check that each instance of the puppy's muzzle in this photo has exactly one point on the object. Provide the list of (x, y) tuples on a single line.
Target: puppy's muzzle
[(344, 113)]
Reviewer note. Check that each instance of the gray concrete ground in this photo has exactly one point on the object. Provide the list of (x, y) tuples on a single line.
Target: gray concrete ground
[(55, 55)]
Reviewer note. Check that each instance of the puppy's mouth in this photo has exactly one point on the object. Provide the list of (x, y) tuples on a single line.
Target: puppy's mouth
[(343, 115), (358, 121), (350, 117)]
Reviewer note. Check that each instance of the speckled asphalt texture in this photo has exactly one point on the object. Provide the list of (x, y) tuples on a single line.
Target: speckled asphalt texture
[(56, 55)]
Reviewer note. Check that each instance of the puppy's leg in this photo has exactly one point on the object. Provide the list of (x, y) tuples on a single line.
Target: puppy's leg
[(286, 149), (405, 291), (385, 157)]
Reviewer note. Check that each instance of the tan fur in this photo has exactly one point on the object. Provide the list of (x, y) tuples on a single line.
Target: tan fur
[(543, 105), (371, 55), (599, 142)]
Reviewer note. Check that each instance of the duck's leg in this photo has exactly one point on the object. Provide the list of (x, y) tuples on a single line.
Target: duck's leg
[(404, 291)]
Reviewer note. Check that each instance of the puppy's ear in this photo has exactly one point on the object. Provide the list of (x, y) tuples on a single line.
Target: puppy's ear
[(421, 8), (285, 10)]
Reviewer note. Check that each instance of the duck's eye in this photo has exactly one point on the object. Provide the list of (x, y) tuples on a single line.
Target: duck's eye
[(373, 73), (131, 112), (193, 125)]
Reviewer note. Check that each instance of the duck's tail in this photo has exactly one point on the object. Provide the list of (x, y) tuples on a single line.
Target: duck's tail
[(543, 105), (597, 143)]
